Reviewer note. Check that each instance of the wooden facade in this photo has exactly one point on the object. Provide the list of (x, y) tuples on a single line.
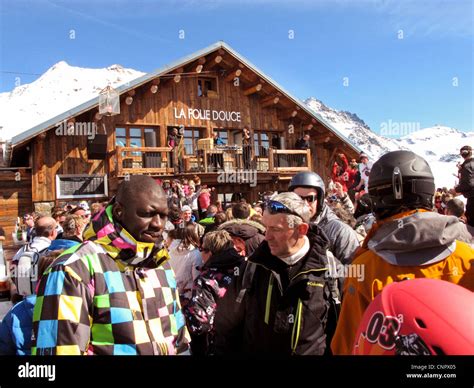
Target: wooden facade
[(234, 96)]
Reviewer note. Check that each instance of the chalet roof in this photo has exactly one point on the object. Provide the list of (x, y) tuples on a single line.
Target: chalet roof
[(36, 130)]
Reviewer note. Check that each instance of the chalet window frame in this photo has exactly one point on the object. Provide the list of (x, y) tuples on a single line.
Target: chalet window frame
[(142, 128), (204, 92), (227, 131), (257, 142), (62, 196), (201, 133)]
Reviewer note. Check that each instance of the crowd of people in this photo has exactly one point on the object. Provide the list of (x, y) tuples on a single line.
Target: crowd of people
[(167, 269)]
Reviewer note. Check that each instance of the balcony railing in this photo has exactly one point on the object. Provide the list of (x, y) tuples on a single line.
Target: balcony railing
[(144, 160), (163, 161)]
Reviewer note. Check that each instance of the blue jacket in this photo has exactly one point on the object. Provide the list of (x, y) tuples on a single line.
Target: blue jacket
[(17, 327), (62, 244)]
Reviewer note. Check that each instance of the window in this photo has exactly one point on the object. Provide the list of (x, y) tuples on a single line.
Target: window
[(261, 142), (136, 137), (120, 137), (207, 87), (190, 138), (223, 134)]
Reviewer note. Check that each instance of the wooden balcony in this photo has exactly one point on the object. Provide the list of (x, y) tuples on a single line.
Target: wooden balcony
[(159, 161), (143, 160)]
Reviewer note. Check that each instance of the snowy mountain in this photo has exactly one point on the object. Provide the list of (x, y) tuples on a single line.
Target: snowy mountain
[(64, 87), (59, 89), (354, 128), (439, 145)]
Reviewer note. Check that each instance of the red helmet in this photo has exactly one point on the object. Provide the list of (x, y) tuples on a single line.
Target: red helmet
[(418, 317)]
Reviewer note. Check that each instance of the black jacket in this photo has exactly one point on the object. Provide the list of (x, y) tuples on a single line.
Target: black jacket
[(213, 317), (466, 181), (286, 307)]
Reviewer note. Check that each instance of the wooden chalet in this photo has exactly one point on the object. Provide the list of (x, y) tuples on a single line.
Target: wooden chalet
[(215, 89)]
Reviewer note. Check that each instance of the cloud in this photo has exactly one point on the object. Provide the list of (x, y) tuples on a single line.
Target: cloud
[(438, 18)]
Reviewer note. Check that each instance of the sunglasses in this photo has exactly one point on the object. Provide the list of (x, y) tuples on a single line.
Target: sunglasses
[(309, 198), (275, 207)]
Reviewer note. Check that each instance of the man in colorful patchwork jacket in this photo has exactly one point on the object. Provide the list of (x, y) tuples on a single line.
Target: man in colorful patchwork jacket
[(116, 293)]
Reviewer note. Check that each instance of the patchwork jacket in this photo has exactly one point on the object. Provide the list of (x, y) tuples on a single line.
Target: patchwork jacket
[(110, 295)]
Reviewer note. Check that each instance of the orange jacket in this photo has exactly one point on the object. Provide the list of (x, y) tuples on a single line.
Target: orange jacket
[(378, 272)]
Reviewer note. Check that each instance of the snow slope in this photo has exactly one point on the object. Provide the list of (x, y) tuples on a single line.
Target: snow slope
[(59, 89)]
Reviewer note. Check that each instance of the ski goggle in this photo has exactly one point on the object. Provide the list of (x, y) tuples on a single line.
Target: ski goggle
[(275, 207)]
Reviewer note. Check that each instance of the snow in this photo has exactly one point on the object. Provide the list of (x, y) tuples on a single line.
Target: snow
[(64, 87), (58, 90), (439, 145)]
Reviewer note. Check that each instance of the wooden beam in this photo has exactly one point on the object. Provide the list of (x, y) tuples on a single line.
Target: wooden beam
[(233, 74), (322, 139), (270, 101), (287, 114), (253, 89), (213, 60)]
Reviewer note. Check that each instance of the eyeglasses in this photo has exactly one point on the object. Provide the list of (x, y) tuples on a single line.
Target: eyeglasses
[(309, 198), (275, 207)]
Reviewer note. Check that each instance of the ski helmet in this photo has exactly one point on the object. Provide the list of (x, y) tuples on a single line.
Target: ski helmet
[(401, 179), (418, 317), (310, 180)]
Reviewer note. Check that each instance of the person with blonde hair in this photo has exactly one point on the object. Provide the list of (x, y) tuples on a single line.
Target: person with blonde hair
[(211, 314)]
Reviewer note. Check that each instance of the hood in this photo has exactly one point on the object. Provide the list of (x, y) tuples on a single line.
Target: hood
[(119, 244), (62, 244), (416, 237), (244, 229), (226, 259)]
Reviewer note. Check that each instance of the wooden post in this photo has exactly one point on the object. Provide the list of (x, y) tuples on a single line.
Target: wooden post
[(308, 158), (270, 160), (205, 160), (119, 166)]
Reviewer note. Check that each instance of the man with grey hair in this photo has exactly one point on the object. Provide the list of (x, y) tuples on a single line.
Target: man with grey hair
[(286, 302)]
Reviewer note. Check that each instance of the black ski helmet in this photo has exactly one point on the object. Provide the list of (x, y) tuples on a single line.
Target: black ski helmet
[(401, 179), (313, 180)]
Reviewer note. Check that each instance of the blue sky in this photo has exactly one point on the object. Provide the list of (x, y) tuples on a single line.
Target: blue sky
[(404, 61)]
